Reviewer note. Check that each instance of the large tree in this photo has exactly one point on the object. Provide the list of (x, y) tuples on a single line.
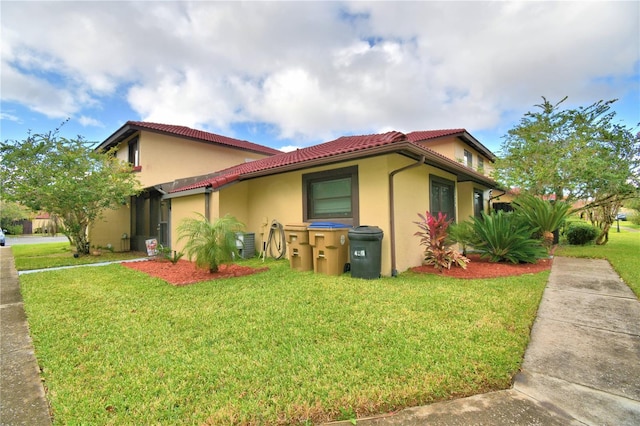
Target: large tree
[(67, 178), (574, 154)]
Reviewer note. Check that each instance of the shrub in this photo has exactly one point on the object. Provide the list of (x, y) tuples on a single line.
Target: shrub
[(504, 236), (544, 216), (580, 233), (434, 237), (462, 234), (210, 243)]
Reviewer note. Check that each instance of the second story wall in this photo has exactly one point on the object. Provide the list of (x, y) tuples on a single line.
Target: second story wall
[(163, 158), (458, 150)]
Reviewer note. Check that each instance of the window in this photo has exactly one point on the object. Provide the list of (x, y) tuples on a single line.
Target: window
[(442, 197), (480, 164), (478, 203), (331, 195), (468, 158), (134, 152)]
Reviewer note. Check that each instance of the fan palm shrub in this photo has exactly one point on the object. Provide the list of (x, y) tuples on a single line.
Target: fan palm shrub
[(210, 244), (504, 236), (547, 217)]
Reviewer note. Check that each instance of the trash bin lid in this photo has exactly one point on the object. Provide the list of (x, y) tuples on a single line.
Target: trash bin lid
[(296, 227), (365, 232), (327, 225)]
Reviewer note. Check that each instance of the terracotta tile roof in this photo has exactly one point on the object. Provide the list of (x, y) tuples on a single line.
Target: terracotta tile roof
[(343, 145), (205, 136), (432, 134), (185, 132)]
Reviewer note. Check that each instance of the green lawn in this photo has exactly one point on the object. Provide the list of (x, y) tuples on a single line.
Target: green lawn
[(280, 347), (50, 255)]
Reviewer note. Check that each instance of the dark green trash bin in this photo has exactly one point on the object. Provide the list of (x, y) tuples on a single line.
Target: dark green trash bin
[(365, 251)]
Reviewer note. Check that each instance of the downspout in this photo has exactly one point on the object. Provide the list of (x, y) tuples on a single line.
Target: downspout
[(392, 215), (207, 204)]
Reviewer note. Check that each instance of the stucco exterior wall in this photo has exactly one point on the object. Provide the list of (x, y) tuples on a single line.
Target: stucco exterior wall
[(111, 228), (182, 208), (454, 148), (165, 158)]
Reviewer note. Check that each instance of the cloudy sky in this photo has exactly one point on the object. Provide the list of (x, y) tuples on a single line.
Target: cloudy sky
[(288, 74)]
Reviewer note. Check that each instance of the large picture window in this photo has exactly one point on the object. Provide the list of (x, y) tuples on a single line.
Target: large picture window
[(331, 195), (443, 197)]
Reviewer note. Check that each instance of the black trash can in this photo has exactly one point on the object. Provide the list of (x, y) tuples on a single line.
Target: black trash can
[(365, 251)]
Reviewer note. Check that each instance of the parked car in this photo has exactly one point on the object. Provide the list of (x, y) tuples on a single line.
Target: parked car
[(2, 239), (621, 216)]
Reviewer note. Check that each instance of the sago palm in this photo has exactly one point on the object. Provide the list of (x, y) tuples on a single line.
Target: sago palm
[(210, 244)]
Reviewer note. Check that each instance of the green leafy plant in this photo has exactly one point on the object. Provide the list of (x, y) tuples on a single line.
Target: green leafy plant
[(505, 237), (544, 216), (461, 233), (171, 255), (580, 233), (433, 236), (210, 243)]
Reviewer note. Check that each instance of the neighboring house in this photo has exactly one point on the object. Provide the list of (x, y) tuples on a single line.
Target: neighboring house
[(162, 154), (45, 223), (381, 180)]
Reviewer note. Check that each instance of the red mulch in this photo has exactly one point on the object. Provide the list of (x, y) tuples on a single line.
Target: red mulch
[(185, 272), (482, 268)]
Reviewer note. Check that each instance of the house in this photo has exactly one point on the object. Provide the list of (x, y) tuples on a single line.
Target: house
[(161, 155), (381, 180)]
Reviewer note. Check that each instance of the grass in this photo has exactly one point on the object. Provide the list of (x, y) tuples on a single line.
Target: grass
[(51, 255), (281, 347), (621, 251)]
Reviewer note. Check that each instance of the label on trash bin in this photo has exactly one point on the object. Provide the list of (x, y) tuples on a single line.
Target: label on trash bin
[(359, 253), (343, 239)]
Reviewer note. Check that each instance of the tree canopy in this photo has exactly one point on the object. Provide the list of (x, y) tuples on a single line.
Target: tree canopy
[(575, 154), (66, 178)]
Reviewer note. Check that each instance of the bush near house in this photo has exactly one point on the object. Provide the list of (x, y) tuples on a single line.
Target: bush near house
[(433, 235)]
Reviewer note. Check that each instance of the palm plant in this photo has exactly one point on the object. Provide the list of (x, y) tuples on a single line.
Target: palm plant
[(546, 216), (211, 244), (505, 237)]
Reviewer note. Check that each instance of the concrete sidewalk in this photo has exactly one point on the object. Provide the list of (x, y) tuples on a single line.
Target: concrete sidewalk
[(582, 365), (22, 400)]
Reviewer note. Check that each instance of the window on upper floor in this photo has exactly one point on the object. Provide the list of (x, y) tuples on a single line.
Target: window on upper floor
[(480, 164), (331, 195), (134, 152), (468, 158)]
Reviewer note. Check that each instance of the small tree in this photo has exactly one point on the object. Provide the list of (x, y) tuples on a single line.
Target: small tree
[(576, 154), (211, 244), (65, 178)]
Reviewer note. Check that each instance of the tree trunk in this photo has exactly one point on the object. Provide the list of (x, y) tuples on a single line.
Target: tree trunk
[(603, 238)]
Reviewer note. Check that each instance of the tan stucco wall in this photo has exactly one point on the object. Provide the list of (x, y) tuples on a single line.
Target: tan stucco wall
[(165, 158), (110, 229), (185, 207), (454, 148), (258, 202)]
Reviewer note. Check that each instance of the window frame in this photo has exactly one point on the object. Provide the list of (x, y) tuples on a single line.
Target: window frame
[(437, 180), (133, 155), (326, 176), (468, 158)]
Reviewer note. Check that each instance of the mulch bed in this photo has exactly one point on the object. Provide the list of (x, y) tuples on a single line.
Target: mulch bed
[(482, 268)]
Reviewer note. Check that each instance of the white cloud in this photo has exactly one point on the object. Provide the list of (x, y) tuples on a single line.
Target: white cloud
[(89, 121), (315, 70)]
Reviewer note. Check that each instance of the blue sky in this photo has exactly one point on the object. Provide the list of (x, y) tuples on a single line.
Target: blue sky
[(293, 74)]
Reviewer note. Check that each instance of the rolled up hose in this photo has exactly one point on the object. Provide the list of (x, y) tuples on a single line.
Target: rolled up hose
[(276, 240)]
